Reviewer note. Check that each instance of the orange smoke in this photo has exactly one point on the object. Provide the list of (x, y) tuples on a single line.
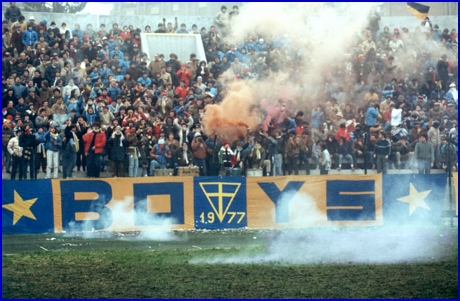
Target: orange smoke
[(232, 118)]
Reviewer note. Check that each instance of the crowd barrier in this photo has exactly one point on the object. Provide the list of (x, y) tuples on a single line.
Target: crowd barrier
[(137, 204)]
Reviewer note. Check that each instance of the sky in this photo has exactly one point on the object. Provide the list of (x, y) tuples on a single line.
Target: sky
[(99, 8)]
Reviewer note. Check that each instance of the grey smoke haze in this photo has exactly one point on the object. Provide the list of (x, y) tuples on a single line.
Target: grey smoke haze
[(122, 218), (374, 246), (377, 245)]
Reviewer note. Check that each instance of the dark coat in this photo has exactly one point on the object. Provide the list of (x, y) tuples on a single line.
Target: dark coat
[(117, 151), (179, 154), (12, 13), (16, 41)]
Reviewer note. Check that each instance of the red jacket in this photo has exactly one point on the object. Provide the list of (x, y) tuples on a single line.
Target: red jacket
[(106, 98), (125, 35), (182, 92), (185, 76), (342, 132), (99, 143)]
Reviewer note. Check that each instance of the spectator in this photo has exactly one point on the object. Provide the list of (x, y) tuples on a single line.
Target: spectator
[(382, 152), (53, 143), (222, 19), (424, 154), (325, 159), (12, 13), (118, 145), (94, 142), (160, 154)]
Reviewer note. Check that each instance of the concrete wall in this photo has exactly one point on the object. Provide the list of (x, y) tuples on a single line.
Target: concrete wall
[(142, 20)]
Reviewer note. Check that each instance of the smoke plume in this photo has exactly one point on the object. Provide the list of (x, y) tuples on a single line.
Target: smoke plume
[(319, 39), (121, 217)]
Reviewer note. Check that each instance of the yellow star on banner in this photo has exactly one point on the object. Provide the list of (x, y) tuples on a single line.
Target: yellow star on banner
[(415, 199), (20, 208)]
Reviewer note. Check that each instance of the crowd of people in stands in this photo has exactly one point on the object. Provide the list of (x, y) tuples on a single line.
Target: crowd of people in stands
[(75, 99)]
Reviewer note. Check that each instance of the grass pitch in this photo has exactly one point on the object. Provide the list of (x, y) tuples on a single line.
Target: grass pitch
[(108, 267)]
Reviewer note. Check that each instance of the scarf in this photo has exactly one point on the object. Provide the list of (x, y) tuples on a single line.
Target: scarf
[(41, 149), (77, 145), (185, 157), (257, 152), (237, 154)]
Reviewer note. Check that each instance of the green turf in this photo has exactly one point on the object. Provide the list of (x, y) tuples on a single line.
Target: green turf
[(134, 273)]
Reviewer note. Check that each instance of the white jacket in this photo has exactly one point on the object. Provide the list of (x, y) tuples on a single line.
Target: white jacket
[(326, 159), (14, 148)]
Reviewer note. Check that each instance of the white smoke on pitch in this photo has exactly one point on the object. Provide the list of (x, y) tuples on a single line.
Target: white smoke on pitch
[(335, 245), (119, 218)]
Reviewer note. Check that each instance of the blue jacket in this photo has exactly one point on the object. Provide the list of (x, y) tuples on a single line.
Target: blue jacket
[(161, 157), (124, 65), (180, 109), (371, 116), (74, 105), (113, 92), (79, 33), (145, 81), (19, 90), (29, 37), (291, 127), (40, 138), (120, 54), (317, 118), (250, 45), (344, 149), (91, 118), (49, 142), (95, 93), (261, 47), (112, 45), (104, 74), (230, 56), (119, 76)]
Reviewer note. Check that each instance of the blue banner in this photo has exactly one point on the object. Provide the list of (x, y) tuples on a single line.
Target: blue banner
[(220, 202), (409, 199), (27, 207)]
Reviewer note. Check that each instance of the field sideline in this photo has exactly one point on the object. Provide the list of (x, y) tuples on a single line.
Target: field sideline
[(178, 265)]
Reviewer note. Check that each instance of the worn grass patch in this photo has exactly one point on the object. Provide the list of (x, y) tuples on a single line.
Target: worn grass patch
[(131, 273)]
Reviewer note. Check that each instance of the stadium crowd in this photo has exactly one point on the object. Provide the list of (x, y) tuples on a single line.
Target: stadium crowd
[(77, 98)]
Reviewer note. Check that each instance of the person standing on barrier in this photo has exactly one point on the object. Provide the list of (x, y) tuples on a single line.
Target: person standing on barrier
[(303, 141), (28, 142), (199, 149), (292, 153), (257, 158), (133, 153), (70, 149), (434, 137), (52, 145), (273, 152), (225, 157), (16, 153), (382, 152), (12, 13), (94, 141), (213, 144), (184, 157), (424, 154), (118, 144), (325, 160)]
